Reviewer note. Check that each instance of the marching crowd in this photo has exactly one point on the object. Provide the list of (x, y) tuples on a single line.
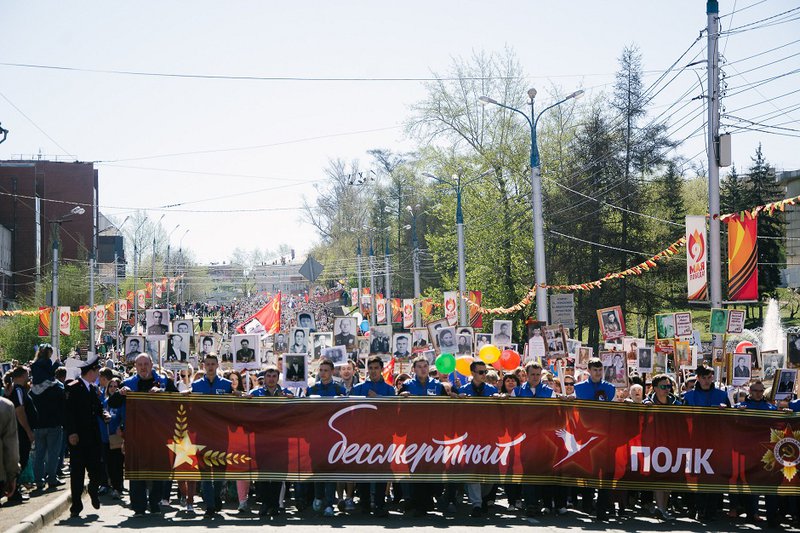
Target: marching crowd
[(84, 420)]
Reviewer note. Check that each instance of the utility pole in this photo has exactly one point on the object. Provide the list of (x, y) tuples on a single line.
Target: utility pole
[(55, 324), (358, 274), (714, 253), (166, 274), (415, 245), (116, 300), (462, 270), (371, 283), (153, 281), (388, 285), (92, 331)]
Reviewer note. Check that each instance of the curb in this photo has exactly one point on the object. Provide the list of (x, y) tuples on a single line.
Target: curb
[(36, 521)]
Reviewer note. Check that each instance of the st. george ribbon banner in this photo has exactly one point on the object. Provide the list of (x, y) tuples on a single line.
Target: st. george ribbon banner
[(578, 443)]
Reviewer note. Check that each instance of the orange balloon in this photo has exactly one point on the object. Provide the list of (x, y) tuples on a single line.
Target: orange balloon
[(462, 364)]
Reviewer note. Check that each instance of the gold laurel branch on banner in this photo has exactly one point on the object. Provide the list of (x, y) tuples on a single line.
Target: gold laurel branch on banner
[(181, 424), (216, 458)]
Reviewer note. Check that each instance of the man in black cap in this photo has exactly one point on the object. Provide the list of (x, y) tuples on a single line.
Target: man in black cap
[(83, 410)]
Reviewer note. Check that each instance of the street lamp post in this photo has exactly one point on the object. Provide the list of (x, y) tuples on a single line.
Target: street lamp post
[(458, 185), (415, 246), (136, 275), (358, 275), (540, 269), (371, 283), (166, 262), (180, 252), (55, 323), (388, 284)]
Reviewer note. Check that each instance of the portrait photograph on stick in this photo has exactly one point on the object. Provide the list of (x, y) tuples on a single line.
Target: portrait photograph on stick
[(420, 340), (246, 352), (183, 326), (612, 324), (784, 382), (157, 324), (320, 342), (337, 354), (295, 370), (345, 329)]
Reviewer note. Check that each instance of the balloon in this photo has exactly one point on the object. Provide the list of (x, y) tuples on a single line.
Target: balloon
[(364, 326), (445, 363), (497, 365), (489, 354), (462, 365), (509, 359)]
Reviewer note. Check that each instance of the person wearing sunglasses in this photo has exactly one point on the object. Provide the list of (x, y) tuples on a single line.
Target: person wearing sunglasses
[(477, 387), (662, 394)]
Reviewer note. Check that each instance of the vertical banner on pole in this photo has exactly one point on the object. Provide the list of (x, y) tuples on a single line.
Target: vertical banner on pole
[(63, 320), (408, 313), (397, 310), (122, 309), (380, 310), (696, 258), (742, 258), (451, 307), (100, 316), (130, 299), (83, 318), (140, 296), (45, 315), (475, 316), (354, 296)]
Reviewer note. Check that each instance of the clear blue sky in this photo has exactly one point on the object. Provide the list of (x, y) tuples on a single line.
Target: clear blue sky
[(297, 125)]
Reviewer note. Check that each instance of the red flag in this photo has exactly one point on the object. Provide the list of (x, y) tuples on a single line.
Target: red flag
[(267, 320), (388, 372)]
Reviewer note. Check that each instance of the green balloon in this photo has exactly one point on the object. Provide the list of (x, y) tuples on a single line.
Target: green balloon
[(445, 363)]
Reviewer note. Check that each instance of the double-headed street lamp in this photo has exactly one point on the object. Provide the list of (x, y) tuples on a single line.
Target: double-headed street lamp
[(540, 270), (458, 185)]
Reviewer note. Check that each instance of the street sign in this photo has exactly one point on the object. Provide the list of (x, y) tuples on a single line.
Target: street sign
[(311, 269)]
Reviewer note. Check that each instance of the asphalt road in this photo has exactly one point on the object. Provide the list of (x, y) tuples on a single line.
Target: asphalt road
[(120, 518)]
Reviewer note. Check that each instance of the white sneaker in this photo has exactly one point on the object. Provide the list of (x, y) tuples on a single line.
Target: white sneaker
[(317, 505), (328, 511)]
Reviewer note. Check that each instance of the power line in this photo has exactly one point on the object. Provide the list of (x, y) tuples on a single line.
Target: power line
[(35, 125)]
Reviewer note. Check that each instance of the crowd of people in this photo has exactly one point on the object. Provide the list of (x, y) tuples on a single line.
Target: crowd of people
[(81, 423)]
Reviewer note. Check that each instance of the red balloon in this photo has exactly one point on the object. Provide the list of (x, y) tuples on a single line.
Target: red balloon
[(509, 359), (497, 365)]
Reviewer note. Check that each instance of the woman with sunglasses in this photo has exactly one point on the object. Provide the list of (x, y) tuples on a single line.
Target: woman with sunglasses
[(662, 394), (184, 381)]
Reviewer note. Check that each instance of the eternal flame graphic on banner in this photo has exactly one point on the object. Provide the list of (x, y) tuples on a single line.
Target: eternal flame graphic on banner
[(576, 443), (742, 258)]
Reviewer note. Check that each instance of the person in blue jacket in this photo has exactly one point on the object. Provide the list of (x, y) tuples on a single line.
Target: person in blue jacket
[(211, 383), (599, 390), (705, 394), (373, 387), (534, 387), (421, 384), (325, 491), (595, 388)]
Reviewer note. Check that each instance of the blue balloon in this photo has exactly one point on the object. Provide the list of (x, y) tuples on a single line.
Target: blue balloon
[(365, 326)]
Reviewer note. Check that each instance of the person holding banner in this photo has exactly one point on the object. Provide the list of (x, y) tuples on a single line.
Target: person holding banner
[(597, 389), (210, 383), (145, 380), (662, 395), (373, 387), (269, 491), (533, 388)]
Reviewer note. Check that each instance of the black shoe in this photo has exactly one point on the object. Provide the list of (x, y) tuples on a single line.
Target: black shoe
[(139, 513), (95, 501), (209, 514), (74, 514), (381, 513), (56, 483), (602, 515), (476, 512), (18, 497)]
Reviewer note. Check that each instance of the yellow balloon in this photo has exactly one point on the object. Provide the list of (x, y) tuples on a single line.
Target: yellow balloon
[(462, 365), (489, 354)]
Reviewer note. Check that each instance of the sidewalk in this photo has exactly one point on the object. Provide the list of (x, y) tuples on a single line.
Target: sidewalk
[(47, 504)]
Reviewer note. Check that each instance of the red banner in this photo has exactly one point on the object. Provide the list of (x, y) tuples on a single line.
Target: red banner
[(45, 317), (607, 445), (397, 310), (475, 316), (742, 258)]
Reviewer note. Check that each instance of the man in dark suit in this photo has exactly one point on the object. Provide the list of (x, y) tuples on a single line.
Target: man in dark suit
[(245, 354), (83, 411)]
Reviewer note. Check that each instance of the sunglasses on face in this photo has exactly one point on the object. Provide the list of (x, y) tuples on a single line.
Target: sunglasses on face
[(665, 387), (481, 372), (569, 384)]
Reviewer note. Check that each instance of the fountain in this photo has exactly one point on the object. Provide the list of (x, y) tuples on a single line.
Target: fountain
[(770, 336)]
